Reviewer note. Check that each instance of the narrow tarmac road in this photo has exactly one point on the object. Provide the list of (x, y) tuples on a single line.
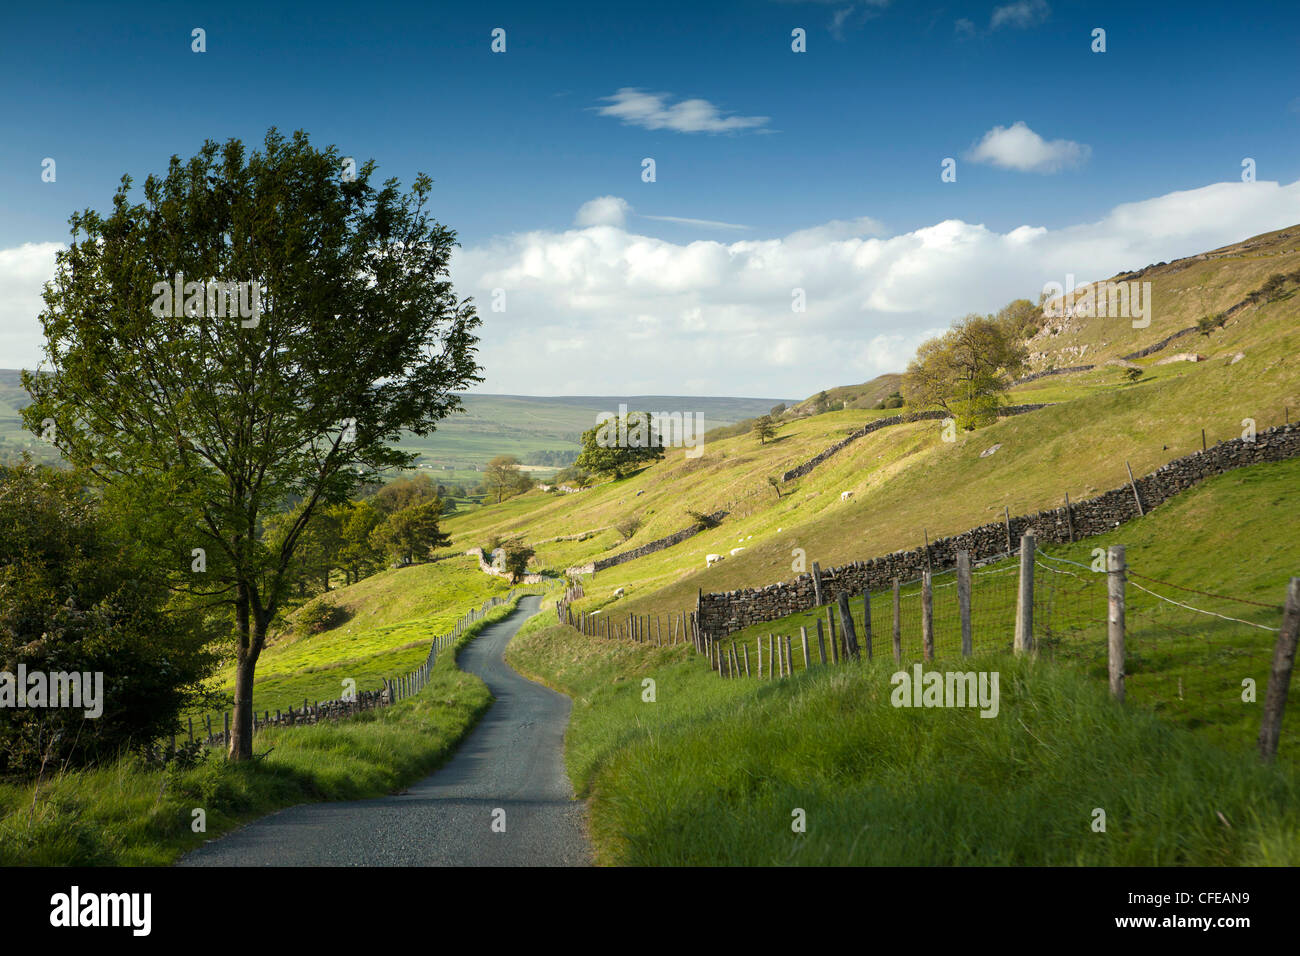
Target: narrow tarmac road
[(512, 761)]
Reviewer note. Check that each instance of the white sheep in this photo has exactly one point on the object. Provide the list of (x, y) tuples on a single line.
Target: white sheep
[(845, 495), (618, 593), (736, 551), (711, 559)]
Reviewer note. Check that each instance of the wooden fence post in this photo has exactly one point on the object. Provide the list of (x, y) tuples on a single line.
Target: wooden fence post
[(789, 663), (1279, 678), (821, 642), (817, 584), (850, 629), (898, 624), (1025, 597), (1133, 485), (803, 640), (866, 621), (1006, 514), (835, 641), (1115, 567), (745, 648), (927, 616), (963, 600)]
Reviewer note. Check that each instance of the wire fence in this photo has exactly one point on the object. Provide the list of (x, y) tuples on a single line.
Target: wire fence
[(1199, 657)]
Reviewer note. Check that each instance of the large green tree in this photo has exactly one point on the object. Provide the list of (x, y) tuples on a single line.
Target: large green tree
[(619, 444), (212, 422), (412, 533), (966, 371)]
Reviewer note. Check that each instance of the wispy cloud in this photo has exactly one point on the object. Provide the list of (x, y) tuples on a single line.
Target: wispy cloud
[(709, 223), (615, 210), (635, 107), (1021, 14), (1019, 147)]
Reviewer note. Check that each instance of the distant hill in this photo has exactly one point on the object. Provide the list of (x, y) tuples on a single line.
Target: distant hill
[(491, 425)]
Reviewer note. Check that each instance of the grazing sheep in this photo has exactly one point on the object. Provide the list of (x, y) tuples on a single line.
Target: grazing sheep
[(618, 593), (712, 559), (845, 495), (736, 551)]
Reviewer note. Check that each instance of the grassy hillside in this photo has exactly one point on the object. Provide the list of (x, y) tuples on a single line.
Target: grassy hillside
[(906, 481), (716, 772), (1182, 292), (392, 617)]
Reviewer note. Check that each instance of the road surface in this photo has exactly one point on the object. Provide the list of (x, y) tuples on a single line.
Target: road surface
[(512, 762)]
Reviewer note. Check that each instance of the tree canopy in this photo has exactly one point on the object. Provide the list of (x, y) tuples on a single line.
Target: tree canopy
[(967, 370), (213, 422)]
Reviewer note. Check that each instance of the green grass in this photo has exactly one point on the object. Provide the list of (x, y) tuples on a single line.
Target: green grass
[(130, 814), (393, 615), (1229, 536), (712, 771)]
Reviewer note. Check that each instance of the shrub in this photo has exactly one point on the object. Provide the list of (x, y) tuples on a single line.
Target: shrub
[(320, 615)]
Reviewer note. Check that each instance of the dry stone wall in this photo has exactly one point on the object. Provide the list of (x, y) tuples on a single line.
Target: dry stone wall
[(800, 470), (723, 613), (650, 547)]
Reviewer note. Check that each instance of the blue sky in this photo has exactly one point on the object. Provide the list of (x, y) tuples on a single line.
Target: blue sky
[(775, 144)]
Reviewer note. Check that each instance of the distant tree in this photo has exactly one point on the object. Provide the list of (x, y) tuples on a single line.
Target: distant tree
[(764, 428), (404, 491), (412, 534), (359, 556), (965, 371), (776, 486), (502, 476), (1133, 373), (628, 527), (1020, 319), (822, 402), (619, 444), (214, 421), (517, 556), (777, 410)]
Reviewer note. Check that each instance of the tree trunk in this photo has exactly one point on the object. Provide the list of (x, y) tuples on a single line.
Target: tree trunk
[(241, 727)]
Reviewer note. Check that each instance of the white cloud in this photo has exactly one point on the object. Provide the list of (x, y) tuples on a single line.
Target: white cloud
[(23, 272), (640, 314), (1022, 14), (1019, 147), (607, 309), (602, 211), (651, 111)]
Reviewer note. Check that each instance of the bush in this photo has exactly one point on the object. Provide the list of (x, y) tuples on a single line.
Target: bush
[(320, 615), (77, 596)]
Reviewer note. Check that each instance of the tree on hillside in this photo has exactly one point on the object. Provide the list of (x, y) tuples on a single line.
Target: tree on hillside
[(965, 371), (764, 428), (404, 491), (516, 558), (822, 403), (345, 333), (359, 557), (1020, 319), (777, 410), (412, 534), (503, 478), (619, 444)]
